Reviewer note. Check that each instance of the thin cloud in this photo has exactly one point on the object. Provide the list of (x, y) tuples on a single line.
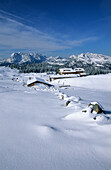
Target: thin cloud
[(7, 14), (80, 42), (16, 35)]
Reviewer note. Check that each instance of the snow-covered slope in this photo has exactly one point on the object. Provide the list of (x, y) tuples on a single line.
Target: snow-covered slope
[(97, 82), (38, 131), (20, 58)]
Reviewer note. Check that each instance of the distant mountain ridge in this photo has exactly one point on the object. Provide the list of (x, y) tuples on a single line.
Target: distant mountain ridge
[(91, 58), (21, 58), (82, 60)]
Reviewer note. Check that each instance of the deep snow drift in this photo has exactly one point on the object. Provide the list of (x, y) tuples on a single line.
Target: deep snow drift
[(38, 131)]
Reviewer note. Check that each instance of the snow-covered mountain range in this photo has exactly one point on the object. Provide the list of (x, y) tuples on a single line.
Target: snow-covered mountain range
[(57, 60), (83, 60), (91, 58), (96, 60), (21, 58)]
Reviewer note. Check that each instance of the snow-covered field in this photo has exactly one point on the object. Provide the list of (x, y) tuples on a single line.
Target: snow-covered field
[(39, 132)]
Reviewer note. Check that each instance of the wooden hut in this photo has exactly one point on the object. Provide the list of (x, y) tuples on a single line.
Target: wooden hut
[(71, 71), (32, 81)]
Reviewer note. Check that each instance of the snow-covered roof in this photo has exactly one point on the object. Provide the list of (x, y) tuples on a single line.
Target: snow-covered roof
[(66, 69), (70, 69), (65, 76), (83, 74), (79, 69), (34, 79), (63, 69)]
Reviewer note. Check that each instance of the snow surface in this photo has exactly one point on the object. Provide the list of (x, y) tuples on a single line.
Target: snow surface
[(38, 131)]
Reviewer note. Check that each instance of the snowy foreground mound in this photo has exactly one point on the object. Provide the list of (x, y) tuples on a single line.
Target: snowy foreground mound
[(39, 132)]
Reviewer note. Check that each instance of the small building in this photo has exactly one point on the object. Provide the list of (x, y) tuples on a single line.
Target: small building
[(54, 77), (68, 73), (32, 81), (71, 71)]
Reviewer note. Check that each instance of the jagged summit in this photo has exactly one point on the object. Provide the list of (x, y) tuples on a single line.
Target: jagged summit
[(91, 58), (55, 58), (20, 58), (59, 57)]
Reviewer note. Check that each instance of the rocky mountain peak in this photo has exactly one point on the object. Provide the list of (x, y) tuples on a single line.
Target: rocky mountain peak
[(20, 58)]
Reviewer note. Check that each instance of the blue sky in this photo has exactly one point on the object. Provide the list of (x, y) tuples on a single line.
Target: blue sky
[(55, 27)]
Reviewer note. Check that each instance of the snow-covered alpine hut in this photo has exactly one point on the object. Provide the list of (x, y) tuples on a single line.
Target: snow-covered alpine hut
[(71, 71), (32, 81)]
